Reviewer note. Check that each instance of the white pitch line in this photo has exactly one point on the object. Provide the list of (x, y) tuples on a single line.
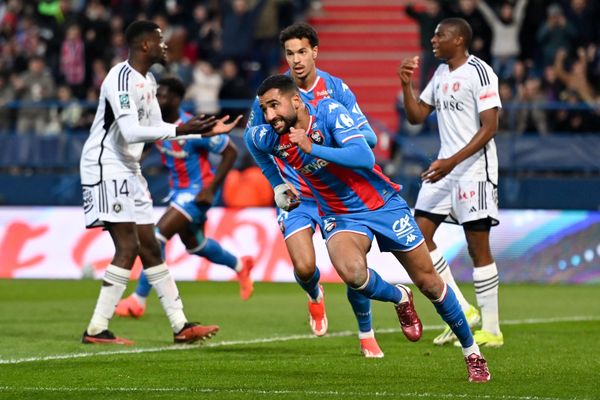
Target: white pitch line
[(69, 356), (275, 392)]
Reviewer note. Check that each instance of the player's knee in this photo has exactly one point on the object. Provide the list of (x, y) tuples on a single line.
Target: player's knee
[(304, 269), (353, 273), (127, 251), (431, 285)]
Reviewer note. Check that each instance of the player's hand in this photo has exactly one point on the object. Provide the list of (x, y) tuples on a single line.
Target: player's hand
[(205, 197), (198, 124), (221, 127), (285, 197), (407, 68), (299, 138), (438, 170)]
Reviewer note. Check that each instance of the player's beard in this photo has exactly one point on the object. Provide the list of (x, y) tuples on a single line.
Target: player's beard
[(288, 122)]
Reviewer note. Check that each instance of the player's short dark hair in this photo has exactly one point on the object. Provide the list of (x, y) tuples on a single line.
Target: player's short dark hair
[(137, 29), (173, 85), (461, 27), (300, 30), (284, 83)]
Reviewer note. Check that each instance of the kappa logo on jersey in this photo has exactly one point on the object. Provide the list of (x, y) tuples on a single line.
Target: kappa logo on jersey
[(124, 101), (329, 224), (262, 132), (345, 87), (317, 137), (344, 121), (404, 229), (313, 166)]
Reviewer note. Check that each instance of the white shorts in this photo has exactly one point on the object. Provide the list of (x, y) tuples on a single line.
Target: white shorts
[(123, 199), (460, 201)]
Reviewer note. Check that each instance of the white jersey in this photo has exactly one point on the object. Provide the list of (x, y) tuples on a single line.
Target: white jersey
[(109, 151), (458, 97)]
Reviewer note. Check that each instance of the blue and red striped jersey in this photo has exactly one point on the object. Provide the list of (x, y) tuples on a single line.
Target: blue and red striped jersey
[(187, 160), (337, 189), (326, 86)]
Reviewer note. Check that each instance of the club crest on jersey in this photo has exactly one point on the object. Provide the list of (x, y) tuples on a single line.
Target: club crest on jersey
[(124, 101), (117, 207), (317, 137), (329, 224)]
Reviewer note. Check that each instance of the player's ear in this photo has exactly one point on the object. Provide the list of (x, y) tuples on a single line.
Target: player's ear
[(315, 52)]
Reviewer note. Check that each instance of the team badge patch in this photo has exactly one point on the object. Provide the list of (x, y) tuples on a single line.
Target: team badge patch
[(117, 207), (124, 101), (329, 224), (317, 137)]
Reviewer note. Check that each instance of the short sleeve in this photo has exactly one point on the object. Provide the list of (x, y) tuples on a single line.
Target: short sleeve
[(120, 92), (486, 91)]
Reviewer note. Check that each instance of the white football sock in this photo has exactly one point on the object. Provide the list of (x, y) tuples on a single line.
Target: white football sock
[(108, 298), (166, 289), (474, 348), (486, 283), (443, 269), (366, 335)]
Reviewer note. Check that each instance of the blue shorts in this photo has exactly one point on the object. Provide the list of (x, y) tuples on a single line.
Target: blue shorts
[(183, 201), (304, 216), (393, 225)]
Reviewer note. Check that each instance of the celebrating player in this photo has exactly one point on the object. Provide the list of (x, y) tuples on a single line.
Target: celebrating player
[(115, 194), (358, 203), (461, 186), (300, 43), (193, 187)]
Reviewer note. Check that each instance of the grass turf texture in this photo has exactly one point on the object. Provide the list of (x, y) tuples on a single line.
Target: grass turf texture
[(265, 351)]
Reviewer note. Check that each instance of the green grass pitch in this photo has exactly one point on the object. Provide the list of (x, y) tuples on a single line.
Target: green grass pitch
[(264, 349)]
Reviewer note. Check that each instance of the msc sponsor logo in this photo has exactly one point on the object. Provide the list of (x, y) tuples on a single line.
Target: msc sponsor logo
[(449, 105), (313, 167), (404, 230)]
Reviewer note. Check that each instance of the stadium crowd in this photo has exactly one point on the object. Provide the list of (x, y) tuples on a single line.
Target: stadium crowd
[(55, 53), (545, 53)]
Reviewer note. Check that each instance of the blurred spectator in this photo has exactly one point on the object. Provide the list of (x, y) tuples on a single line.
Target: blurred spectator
[(582, 15), (551, 86), (69, 110), (505, 34), (96, 31), (428, 19), (556, 33), (72, 60), (531, 115), (205, 89), (506, 115), (238, 26), (7, 95), (204, 31), (575, 79), (98, 73), (234, 88), (480, 45), (36, 85), (267, 53), (571, 118)]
